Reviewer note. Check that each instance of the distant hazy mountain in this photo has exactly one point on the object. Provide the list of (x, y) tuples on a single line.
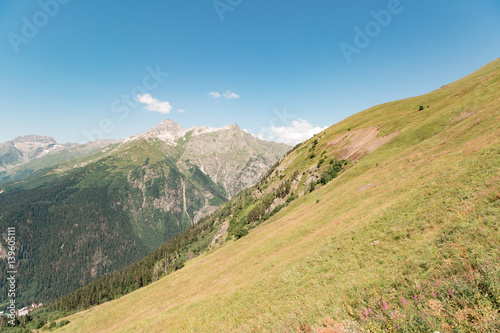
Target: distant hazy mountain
[(24, 155), (23, 149), (101, 211)]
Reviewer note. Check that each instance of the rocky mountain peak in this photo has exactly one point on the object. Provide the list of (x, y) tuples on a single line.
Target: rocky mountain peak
[(233, 127), (23, 150), (168, 131), (170, 126), (34, 139)]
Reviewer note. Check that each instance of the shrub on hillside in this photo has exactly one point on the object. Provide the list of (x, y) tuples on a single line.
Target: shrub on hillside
[(240, 232)]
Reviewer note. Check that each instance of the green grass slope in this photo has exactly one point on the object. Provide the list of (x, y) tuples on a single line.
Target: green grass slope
[(405, 239)]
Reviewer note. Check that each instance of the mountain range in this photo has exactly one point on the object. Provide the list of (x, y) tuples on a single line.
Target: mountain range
[(98, 212), (27, 154)]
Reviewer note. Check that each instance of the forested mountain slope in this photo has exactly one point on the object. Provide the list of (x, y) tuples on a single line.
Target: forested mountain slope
[(100, 212)]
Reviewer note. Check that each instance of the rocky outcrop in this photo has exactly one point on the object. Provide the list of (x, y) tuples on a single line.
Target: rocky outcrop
[(230, 156)]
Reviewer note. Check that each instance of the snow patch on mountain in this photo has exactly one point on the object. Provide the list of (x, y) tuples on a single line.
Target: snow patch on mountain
[(170, 132)]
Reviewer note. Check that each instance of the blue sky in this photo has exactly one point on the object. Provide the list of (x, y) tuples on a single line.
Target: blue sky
[(67, 67)]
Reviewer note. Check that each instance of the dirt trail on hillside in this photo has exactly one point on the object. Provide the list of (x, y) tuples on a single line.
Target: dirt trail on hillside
[(356, 144)]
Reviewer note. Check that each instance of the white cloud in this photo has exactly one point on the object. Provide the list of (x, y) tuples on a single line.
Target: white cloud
[(230, 95), (181, 111), (152, 104), (298, 131), (227, 95)]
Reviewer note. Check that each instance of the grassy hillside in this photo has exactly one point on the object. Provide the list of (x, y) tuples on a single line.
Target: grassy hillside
[(405, 238)]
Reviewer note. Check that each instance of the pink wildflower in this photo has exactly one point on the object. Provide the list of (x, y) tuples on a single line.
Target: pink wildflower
[(403, 301)]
